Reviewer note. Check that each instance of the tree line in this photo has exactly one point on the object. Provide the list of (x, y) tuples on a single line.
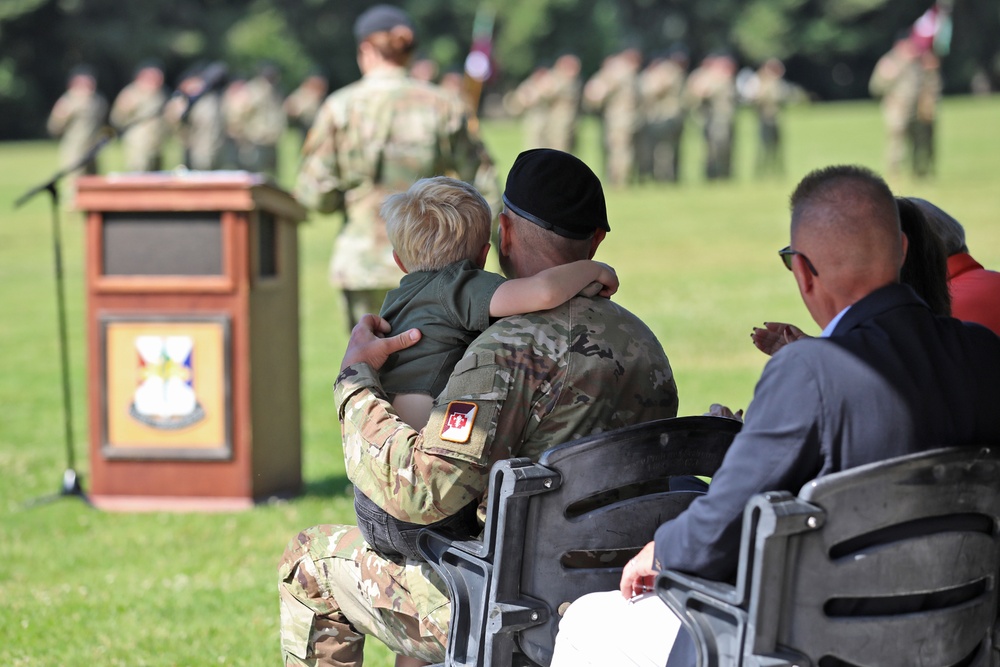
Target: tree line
[(829, 48)]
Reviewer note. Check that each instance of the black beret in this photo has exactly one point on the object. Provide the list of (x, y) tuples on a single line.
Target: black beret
[(380, 18), (558, 192)]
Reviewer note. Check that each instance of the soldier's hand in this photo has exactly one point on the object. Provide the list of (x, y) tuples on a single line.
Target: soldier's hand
[(368, 344)]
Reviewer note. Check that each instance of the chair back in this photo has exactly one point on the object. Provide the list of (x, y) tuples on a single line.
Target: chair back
[(617, 489), (566, 526), (890, 564), (901, 568)]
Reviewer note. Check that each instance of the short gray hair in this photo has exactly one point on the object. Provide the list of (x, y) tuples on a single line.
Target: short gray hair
[(947, 228)]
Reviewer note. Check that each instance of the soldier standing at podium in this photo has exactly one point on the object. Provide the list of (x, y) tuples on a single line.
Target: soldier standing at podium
[(375, 137)]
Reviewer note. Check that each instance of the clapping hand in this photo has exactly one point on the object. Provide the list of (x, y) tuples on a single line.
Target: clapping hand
[(775, 335)]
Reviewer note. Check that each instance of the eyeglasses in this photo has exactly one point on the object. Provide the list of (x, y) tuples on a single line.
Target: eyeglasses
[(786, 257)]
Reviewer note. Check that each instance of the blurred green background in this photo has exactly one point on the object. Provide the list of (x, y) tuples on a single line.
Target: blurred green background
[(829, 46), (697, 262)]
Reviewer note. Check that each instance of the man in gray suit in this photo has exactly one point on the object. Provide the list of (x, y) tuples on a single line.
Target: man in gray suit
[(886, 378)]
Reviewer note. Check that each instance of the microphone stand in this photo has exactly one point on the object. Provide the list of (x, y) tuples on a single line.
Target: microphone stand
[(71, 485)]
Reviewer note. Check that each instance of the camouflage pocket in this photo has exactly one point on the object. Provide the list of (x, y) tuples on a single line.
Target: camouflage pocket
[(297, 622), (431, 601)]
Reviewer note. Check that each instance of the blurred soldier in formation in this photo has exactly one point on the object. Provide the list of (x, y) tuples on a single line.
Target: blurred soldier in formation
[(769, 94), (896, 80), (922, 129), (526, 102), (197, 117), (376, 137), (303, 104), (137, 112), (711, 92), (234, 105), (262, 122), (614, 90), (661, 87), (560, 92), (77, 119)]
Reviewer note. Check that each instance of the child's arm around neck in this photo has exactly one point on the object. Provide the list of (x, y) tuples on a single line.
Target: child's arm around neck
[(552, 287)]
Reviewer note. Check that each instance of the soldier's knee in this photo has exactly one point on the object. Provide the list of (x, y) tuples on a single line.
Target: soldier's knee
[(297, 547)]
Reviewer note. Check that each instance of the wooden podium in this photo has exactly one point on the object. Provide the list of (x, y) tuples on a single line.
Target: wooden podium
[(193, 340)]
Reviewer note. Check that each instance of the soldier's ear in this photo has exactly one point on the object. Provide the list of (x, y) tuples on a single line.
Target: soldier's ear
[(599, 235), (504, 234)]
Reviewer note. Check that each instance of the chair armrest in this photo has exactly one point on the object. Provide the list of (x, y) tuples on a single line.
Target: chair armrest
[(709, 611), (468, 576), (467, 566), (672, 580)]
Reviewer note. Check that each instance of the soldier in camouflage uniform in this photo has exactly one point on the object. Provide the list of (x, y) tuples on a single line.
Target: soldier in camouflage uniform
[(262, 123), (197, 117), (77, 119), (560, 92), (526, 102), (375, 137), (138, 112), (896, 80), (771, 93), (529, 382), (711, 92), (614, 90), (661, 87), (922, 128)]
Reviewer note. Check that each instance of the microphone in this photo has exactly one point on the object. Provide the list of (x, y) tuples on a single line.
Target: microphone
[(212, 78)]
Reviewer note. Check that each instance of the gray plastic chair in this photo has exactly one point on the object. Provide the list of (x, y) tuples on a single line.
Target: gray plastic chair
[(888, 564), (563, 527)]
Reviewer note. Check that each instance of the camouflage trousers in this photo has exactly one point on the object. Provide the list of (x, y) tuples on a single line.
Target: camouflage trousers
[(334, 590)]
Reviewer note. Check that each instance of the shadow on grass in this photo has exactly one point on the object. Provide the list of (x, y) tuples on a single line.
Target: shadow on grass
[(328, 487)]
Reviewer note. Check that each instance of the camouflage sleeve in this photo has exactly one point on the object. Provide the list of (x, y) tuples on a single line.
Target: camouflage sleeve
[(318, 183), (413, 477)]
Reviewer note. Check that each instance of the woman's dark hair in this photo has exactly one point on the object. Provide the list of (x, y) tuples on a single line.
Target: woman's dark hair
[(926, 266)]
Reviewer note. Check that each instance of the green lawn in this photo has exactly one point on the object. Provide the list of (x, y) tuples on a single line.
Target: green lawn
[(698, 262)]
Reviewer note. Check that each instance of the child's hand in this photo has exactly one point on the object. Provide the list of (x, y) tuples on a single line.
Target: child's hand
[(608, 279)]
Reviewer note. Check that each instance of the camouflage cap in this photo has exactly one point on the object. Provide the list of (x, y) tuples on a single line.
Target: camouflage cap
[(558, 192), (380, 18)]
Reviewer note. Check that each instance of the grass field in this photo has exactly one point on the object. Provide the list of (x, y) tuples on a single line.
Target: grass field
[(698, 262)]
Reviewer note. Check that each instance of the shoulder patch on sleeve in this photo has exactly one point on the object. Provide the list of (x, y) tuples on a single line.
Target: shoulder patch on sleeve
[(461, 431), (463, 422), (459, 421)]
